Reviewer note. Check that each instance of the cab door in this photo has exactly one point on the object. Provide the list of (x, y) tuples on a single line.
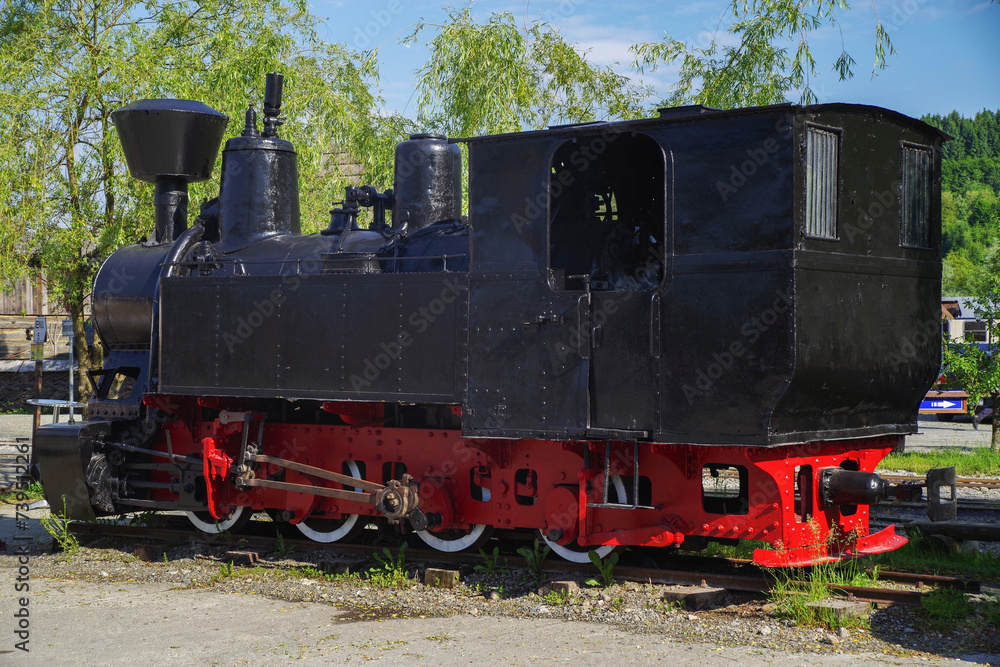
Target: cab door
[(608, 237)]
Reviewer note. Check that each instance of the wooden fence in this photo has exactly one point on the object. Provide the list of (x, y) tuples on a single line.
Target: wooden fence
[(28, 296)]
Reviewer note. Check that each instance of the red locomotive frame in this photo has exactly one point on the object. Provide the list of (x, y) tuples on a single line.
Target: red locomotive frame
[(529, 484)]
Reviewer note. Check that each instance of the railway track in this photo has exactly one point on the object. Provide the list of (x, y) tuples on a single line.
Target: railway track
[(731, 574), (960, 482)]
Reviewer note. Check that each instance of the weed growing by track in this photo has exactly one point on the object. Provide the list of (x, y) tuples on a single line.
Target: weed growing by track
[(491, 562), (536, 559), (794, 588), (919, 555), (57, 525), (606, 568), (28, 494), (391, 569)]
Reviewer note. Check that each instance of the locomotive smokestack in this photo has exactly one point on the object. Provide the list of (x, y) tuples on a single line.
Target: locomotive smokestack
[(170, 143)]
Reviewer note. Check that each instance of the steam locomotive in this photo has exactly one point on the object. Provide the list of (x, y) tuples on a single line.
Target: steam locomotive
[(708, 325)]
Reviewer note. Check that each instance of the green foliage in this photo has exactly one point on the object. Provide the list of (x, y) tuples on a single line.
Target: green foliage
[(946, 606), (66, 199), (969, 366), (558, 597), (28, 494), (970, 205), (57, 525), (280, 549), (493, 77), (535, 558), (794, 588), (391, 569), (491, 562), (148, 520), (919, 556), (973, 462), (758, 68), (606, 568)]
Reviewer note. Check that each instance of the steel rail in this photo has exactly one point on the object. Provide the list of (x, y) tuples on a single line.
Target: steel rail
[(961, 482), (753, 583)]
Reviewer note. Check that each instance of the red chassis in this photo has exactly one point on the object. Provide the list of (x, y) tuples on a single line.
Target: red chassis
[(584, 493)]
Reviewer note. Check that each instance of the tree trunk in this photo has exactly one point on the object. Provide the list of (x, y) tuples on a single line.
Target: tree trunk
[(995, 439), (80, 352)]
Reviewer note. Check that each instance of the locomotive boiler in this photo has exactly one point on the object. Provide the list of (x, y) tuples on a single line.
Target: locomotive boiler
[(707, 325)]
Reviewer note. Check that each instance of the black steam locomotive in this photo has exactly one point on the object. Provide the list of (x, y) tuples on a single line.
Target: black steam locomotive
[(708, 325)]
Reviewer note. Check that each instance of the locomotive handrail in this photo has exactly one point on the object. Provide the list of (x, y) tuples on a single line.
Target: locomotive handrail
[(344, 257)]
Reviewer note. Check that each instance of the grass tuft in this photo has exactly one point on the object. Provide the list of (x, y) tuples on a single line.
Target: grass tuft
[(967, 461)]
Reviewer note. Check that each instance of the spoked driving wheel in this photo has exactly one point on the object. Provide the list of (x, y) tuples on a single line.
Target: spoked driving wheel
[(320, 529)]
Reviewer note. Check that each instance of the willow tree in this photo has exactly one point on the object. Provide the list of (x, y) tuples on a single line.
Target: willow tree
[(759, 54), (972, 366), (66, 199), (493, 76)]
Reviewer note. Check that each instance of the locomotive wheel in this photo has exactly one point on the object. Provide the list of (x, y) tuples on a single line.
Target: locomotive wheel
[(575, 553), (323, 530), (237, 518), (457, 540)]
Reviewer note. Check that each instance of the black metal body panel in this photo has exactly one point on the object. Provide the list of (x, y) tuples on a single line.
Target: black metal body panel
[(527, 374), (383, 337)]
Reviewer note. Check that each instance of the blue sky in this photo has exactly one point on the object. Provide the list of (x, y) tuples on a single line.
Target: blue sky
[(947, 51)]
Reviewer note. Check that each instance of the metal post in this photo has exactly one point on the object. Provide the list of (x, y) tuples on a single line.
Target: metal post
[(72, 410), (39, 337), (67, 330)]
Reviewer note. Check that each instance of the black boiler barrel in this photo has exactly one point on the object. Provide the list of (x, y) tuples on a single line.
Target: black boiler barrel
[(123, 294)]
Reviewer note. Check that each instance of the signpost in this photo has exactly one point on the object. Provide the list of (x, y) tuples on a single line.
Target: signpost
[(945, 404), (37, 355), (67, 330)]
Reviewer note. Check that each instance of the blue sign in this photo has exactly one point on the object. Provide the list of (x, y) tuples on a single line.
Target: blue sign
[(941, 404)]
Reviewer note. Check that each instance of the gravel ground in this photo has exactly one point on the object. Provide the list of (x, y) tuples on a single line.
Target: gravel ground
[(744, 620)]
